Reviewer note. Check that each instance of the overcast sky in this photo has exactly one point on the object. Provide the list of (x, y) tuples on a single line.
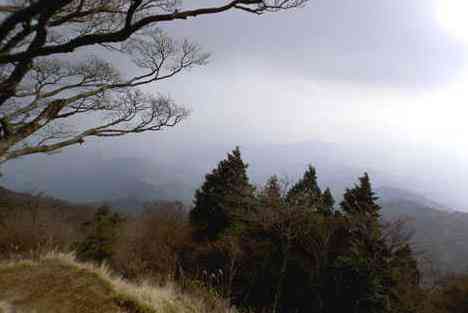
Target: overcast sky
[(387, 76), (336, 70)]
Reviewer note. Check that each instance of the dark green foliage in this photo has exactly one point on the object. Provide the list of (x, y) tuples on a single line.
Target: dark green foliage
[(361, 200), (406, 295), (271, 195), (367, 272), (225, 194), (361, 271), (361, 279), (304, 259), (297, 254), (307, 193), (327, 202), (101, 236)]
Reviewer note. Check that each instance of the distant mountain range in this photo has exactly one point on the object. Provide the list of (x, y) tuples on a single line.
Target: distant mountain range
[(174, 172), (406, 202), (175, 175)]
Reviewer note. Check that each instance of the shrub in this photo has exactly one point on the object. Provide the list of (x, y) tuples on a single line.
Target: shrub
[(149, 245), (30, 225)]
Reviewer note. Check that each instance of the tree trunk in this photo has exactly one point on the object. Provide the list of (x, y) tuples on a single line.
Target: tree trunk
[(3, 151), (279, 286)]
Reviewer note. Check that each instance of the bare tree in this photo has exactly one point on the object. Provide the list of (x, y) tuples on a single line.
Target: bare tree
[(51, 80)]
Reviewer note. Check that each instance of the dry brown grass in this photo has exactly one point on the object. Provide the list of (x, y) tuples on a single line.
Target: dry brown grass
[(54, 287), (56, 283)]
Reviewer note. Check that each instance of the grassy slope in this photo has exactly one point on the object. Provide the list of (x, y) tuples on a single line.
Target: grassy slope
[(58, 284), (55, 287)]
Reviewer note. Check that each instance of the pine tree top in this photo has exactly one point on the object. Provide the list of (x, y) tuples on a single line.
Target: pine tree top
[(306, 191), (308, 182), (272, 194), (225, 192), (361, 199)]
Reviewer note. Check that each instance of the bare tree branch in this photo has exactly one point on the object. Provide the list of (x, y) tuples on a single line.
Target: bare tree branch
[(45, 90)]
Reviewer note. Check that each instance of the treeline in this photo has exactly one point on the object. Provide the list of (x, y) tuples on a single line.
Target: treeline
[(284, 247), (287, 249)]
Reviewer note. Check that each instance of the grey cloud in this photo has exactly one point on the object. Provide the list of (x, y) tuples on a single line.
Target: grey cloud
[(392, 42), (247, 95)]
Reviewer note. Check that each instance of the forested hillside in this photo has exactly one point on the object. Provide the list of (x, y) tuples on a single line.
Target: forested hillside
[(439, 234), (280, 247)]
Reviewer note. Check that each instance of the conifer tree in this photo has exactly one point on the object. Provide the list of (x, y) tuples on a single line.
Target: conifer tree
[(271, 195), (361, 200), (102, 235), (327, 202), (363, 272), (306, 191), (225, 194)]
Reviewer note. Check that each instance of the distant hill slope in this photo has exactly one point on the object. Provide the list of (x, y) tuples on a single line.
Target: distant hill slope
[(59, 284), (439, 233), (174, 175), (412, 200)]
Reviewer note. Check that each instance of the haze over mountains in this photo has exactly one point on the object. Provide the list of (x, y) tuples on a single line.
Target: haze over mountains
[(174, 172)]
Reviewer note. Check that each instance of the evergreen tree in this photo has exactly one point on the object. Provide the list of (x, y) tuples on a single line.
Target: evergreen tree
[(306, 191), (327, 202), (102, 234), (361, 200), (363, 273), (225, 193), (271, 195)]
